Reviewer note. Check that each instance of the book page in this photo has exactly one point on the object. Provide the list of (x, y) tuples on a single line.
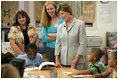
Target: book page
[(46, 63)]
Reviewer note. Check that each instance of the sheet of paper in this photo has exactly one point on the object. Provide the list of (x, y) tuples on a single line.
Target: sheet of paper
[(81, 76), (42, 76), (66, 73), (28, 69)]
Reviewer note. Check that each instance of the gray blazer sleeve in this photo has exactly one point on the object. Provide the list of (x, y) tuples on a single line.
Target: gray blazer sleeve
[(82, 50), (58, 44)]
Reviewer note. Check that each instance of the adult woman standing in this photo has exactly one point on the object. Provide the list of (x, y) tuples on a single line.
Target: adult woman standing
[(21, 33), (71, 41), (50, 21)]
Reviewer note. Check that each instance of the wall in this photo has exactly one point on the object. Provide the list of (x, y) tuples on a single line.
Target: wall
[(106, 20)]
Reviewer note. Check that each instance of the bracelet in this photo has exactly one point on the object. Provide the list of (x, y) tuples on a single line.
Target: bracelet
[(111, 70)]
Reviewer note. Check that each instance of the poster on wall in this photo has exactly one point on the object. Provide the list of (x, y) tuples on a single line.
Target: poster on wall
[(105, 13), (112, 39), (6, 47)]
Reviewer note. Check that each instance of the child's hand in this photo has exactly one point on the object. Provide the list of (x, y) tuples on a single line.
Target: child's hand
[(46, 60), (74, 73), (70, 74), (92, 76)]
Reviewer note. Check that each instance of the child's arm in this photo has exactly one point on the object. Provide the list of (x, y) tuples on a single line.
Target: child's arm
[(82, 72), (103, 74)]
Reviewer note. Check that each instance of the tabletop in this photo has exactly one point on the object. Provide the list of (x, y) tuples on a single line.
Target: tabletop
[(46, 72)]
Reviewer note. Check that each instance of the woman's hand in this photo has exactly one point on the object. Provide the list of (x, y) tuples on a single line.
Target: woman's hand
[(74, 61), (58, 64), (57, 61), (52, 35), (15, 47)]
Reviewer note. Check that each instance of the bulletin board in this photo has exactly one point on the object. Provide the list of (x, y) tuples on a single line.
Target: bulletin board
[(8, 10), (38, 10), (85, 11)]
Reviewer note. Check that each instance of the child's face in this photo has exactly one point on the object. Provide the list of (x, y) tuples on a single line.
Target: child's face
[(90, 57), (112, 62), (31, 53)]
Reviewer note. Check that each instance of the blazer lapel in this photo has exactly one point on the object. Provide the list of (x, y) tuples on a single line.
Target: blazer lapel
[(72, 24)]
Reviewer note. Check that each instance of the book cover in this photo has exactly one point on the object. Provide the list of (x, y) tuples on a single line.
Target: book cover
[(46, 64)]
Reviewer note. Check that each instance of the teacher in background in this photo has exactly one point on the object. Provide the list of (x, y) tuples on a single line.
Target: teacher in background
[(71, 42), (21, 33), (50, 22)]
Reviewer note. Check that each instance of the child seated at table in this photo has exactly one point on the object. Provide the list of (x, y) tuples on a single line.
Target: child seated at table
[(111, 72), (95, 65), (19, 64), (9, 71), (6, 57), (33, 59)]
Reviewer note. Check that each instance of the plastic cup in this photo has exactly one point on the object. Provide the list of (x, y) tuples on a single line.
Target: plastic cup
[(53, 73)]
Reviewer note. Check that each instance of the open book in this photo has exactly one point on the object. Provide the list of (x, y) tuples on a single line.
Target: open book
[(41, 66), (46, 64)]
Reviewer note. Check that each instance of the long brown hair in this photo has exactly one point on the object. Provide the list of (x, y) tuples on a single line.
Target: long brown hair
[(23, 13), (45, 18)]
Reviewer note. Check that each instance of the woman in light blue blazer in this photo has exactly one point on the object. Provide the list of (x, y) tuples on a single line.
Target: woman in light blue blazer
[(71, 42), (50, 22)]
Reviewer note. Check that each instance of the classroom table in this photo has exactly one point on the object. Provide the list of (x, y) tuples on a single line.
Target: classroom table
[(46, 72)]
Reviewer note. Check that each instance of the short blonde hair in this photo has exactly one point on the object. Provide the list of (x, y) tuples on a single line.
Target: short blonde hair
[(9, 71), (45, 18)]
